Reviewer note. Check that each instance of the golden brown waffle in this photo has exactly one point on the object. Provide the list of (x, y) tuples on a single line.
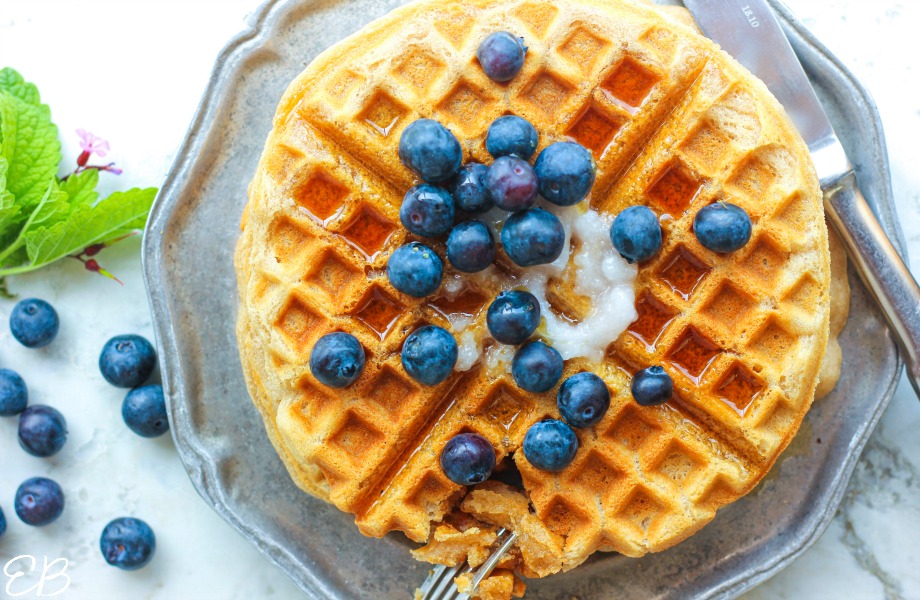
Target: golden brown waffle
[(674, 123)]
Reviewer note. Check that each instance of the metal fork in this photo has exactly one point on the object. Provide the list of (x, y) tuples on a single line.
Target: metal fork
[(440, 584)]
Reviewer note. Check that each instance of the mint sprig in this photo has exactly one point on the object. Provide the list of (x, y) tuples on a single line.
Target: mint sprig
[(44, 218)]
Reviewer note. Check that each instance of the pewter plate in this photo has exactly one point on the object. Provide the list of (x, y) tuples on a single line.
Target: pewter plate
[(188, 251)]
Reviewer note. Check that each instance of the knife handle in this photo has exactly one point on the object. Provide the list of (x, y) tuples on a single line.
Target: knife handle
[(880, 267)]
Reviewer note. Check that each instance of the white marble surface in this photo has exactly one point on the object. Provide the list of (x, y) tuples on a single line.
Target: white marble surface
[(132, 71)]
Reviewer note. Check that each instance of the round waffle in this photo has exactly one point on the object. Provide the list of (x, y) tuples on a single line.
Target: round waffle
[(674, 123)]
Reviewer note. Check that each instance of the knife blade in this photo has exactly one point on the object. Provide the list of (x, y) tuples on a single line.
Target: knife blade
[(751, 33)]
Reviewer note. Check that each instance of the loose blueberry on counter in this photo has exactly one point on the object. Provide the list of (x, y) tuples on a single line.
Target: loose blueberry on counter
[(583, 399), (468, 459), (336, 360), (2, 523), (652, 386), (39, 501), (533, 237), (34, 323), (501, 56), (566, 171), (42, 430), (512, 135), (127, 543), (471, 247), (14, 396), (636, 234), (427, 210), (722, 227), (471, 188), (127, 360), (144, 410), (431, 150), (550, 445), (536, 367), (513, 317), (415, 269), (429, 354), (512, 183)]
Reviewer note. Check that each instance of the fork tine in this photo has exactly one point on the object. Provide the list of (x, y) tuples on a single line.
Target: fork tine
[(439, 581), (506, 540), (433, 580), (447, 590), (440, 584)]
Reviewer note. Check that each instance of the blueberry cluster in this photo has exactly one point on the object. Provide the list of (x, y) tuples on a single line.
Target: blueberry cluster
[(126, 361), (450, 194), (720, 227), (563, 174), (445, 202)]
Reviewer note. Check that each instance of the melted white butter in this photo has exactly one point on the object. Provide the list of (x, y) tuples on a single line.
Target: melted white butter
[(600, 273)]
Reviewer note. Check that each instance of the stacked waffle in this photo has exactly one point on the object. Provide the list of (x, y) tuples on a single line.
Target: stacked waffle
[(673, 123)]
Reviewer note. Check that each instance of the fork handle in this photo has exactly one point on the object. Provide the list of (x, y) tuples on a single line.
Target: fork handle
[(880, 267)]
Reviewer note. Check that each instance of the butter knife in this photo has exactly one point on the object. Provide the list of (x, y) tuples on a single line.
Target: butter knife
[(749, 31)]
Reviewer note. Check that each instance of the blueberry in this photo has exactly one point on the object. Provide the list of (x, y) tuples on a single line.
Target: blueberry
[(722, 227), (415, 269), (533, 237), (431, 150), (429, 354), (471, 188), (336, 360), (2, 523), (144, 411), (39, 501), (501, 56), (652, 386), (583, 399), (511, 135), (636, 234), (550, 445), (127, 543), (13, 393), (513, 317), (468, 459), (536, 367), (427, 210), (512, 183), (471, 247), (34, 323), (42, 430), (566, 172), (127, 360)]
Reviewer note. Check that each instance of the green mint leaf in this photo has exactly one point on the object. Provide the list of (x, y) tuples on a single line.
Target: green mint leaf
[(43, 219), (31, 148), (8, 208), (11, 81), (53, 207), (14, 251), (9, 212), (81, 188), (120, 213), (8, 123)]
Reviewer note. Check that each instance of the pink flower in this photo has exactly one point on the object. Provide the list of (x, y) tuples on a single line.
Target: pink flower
[(92, 144)]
